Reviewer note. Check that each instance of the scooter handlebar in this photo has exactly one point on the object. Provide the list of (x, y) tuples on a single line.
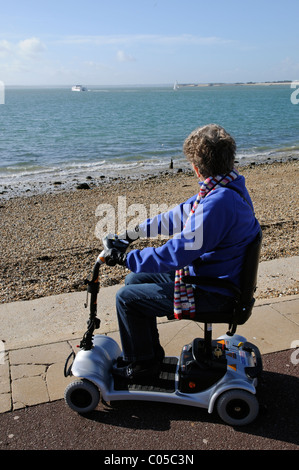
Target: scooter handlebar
[(112, 242)]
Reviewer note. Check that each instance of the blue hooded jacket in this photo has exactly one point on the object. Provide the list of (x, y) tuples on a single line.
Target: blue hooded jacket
[(213, 242)]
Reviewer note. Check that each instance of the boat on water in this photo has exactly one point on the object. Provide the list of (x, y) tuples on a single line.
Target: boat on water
[(78, 88), (176, 86)]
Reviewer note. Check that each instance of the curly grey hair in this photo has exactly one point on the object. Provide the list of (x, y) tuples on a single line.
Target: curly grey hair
[(211, 149)]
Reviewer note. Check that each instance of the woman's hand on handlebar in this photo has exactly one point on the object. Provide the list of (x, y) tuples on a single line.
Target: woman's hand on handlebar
[(114, 256), (115, 246)]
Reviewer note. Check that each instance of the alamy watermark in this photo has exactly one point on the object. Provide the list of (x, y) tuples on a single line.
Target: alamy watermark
[(295, 93), (162, 221), (2, 92), (2, 352), (295, 354)]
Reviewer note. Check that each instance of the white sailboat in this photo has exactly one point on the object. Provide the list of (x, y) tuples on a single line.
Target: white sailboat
[(176, 86)]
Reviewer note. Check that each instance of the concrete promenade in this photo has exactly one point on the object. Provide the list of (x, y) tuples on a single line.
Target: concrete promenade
[(38, 335)]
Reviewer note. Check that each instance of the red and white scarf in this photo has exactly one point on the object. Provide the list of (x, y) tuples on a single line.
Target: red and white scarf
[(184, 305)]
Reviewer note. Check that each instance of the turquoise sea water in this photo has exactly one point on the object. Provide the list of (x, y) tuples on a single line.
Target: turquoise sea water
[(56, 134)]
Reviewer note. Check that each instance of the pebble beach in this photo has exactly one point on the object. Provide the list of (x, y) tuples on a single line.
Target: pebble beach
[(49, 242)]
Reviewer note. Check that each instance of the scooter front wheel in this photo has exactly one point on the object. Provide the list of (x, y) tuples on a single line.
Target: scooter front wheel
[(82, 396), (237, 407)]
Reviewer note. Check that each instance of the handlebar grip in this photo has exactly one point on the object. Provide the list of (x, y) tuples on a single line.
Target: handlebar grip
[(101, 257)]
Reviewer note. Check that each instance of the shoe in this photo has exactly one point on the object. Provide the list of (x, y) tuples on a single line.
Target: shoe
[(120, 362), (137, 370)]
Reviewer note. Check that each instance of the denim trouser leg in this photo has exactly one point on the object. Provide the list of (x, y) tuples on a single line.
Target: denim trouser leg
[(144, 297)]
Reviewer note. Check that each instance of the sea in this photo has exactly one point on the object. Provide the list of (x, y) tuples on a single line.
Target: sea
[(53, 138)]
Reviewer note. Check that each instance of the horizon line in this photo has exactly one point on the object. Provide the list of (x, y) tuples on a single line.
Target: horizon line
[(184, 84)]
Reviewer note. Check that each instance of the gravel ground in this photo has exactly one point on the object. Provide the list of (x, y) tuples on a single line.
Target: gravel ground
[(48, 241)]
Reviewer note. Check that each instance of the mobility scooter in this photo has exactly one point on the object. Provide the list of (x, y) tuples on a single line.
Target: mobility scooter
[(219, 374)]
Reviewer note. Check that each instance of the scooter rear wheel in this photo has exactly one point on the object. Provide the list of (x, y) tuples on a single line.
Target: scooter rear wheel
[(82, 396), (237, 407)]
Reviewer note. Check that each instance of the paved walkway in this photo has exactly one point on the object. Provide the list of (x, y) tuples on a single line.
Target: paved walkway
[(38, 335), (31, 371)]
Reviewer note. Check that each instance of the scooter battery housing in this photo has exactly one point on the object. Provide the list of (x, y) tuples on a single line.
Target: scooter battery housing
[(199, 371)]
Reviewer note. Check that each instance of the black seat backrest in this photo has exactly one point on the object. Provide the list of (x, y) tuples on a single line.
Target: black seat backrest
[(250, 268), (248, 280)]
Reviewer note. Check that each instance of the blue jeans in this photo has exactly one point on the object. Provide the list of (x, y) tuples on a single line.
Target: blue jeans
[(145, 297)]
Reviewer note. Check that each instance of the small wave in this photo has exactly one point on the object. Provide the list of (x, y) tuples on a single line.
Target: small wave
[(99, 91), (262, 154)]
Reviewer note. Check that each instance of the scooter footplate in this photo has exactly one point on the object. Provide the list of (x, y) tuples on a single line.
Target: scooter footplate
[(164, 383)]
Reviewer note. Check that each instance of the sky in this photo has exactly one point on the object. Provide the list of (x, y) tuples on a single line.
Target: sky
[(147, 42)]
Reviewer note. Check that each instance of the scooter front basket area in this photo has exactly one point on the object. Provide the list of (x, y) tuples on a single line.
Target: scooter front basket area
[(95, 364)]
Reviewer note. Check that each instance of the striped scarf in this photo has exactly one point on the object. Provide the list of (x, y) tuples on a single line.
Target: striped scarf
[(184, 304)]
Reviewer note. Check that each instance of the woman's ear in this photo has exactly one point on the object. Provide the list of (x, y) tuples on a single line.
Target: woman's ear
[(196, 171)]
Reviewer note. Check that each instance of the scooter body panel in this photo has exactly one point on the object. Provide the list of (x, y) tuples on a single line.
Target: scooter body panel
[(95, 365)]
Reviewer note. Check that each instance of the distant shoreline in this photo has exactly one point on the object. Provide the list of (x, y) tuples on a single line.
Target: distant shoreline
[(195, 85)]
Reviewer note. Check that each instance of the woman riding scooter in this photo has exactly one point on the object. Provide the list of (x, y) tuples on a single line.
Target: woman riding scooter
[(210, 233)]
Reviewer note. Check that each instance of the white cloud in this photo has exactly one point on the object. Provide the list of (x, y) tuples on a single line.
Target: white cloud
[(31, 47), (27, 48), (22, 58), (123, 57)]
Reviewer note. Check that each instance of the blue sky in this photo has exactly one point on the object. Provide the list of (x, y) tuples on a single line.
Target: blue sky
[(127, 42)]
